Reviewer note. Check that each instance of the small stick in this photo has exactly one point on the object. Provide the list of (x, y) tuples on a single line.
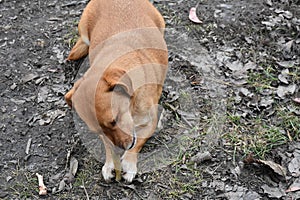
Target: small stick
[(117, 163), (187, 122), (42, 187), (289, 136), (28, 146), (85, 191)]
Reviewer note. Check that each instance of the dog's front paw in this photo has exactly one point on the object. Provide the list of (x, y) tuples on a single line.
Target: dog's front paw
[(129, 167), (129, 171), (107, 171)]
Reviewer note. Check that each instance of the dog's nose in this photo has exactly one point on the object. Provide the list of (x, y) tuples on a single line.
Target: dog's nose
[(130, 146)]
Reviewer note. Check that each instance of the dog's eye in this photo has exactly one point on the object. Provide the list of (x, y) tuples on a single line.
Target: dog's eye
[(113, 122), (120, 89)]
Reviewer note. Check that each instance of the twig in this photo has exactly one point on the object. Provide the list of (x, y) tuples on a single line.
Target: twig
[(85, 191), (117, 163), (42, 187), (289, 136), (68, 159), (186, 121), (175, 110), (28, 146), (172, 107)]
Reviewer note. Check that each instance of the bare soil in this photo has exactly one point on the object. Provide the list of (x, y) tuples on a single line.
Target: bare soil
[(225, 75)]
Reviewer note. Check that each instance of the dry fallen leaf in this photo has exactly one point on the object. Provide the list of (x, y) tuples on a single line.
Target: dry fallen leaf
[(293, 166), (61, 187), (193, 15), (278, 169), (282, 91), (274, 166), (294, 187), (29, 77), (73, 166), (297, 100), (201, 157), (273, 192), (283, 77)]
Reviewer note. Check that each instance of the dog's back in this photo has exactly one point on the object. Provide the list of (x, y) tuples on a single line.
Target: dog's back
[(103, 18)]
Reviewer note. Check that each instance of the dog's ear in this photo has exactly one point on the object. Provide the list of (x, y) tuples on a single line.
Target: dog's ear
[(118, 81)]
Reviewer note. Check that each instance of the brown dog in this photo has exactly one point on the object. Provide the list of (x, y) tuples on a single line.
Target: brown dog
[(117, 97)]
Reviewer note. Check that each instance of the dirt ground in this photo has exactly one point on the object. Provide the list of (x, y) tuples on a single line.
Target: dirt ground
[(230, 126)]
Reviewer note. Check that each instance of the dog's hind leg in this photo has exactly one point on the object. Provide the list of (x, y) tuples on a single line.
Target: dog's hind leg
[(81, 48)]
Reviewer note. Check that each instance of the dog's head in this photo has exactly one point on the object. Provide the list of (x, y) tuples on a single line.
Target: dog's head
[(122, 112), (112, 105)]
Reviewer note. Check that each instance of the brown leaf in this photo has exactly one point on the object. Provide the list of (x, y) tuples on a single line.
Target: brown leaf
[(274, 166), (249, 159)]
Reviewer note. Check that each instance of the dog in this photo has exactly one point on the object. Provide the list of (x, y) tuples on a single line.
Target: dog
[(118, 95)]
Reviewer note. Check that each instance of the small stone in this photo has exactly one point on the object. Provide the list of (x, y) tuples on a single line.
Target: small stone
[(13, 86), (8, 178), (201, 157)]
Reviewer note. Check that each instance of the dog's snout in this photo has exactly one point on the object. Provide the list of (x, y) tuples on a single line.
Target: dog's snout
[(129, 143)]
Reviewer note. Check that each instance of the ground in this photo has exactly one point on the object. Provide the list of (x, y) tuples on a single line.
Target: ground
[(230, 124)]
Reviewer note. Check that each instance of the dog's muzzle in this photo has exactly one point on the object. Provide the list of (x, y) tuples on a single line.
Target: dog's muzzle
[(134, 139)]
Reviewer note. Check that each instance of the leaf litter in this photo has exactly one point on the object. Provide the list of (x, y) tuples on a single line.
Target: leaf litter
[(68, 178), (279, 20)]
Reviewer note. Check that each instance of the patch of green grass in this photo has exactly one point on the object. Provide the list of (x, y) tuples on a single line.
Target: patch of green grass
[(171, 17), (72, 36), (186, 177), (264, 140), (294, 73), (193, 27), (289, 121), (262, 79), (185, 95), (261, 132), (258, 137), (82, 177), (235, 119), (181, 177), (184, 181), (90, 173), (183, 188), (25, 185)]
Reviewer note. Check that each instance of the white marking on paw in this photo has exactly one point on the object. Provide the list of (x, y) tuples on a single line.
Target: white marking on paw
[(129, 170), (107, 170)]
